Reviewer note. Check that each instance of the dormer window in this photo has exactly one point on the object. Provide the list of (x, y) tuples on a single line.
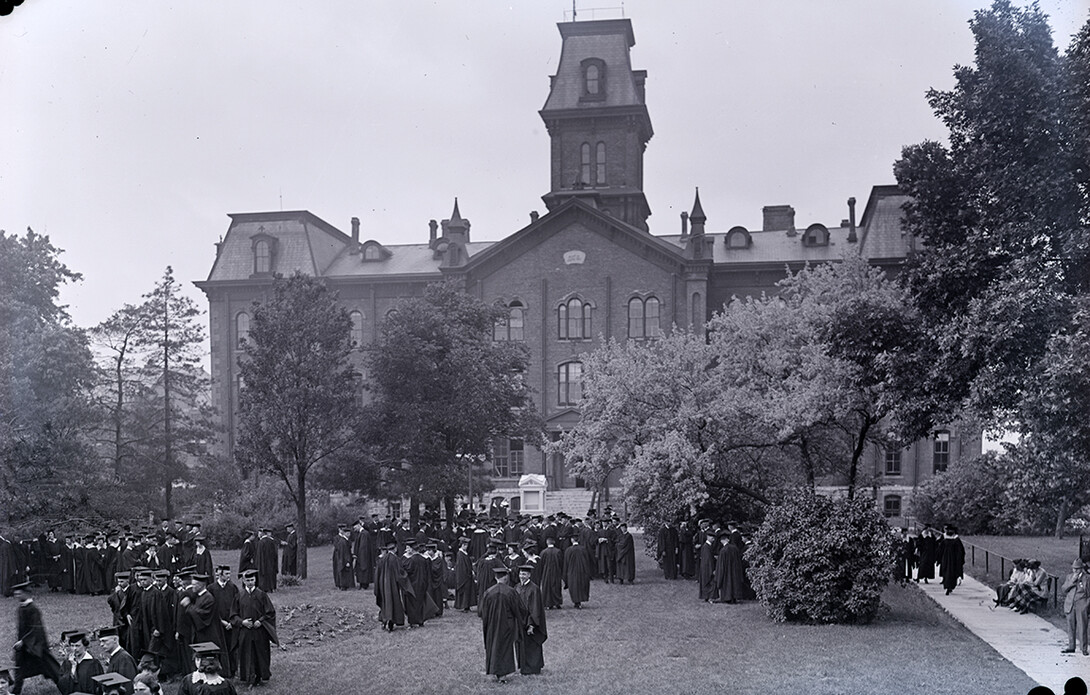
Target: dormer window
[(738, 238), (816, 235), (371, 253), (264, 249), (594, 79), (374, 251)]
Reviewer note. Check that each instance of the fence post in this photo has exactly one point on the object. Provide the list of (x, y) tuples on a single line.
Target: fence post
[(1002, 567), (987, 557), (972, 550)]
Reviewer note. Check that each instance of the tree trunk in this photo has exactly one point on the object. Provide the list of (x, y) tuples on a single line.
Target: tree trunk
[(857, 453), (301, 520), (414, 513), (452, 511), (1061, 517), (807, 464)]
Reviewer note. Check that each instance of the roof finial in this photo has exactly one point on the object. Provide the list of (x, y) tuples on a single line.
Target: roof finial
[(455, 216), (697, 215), (573, 13)]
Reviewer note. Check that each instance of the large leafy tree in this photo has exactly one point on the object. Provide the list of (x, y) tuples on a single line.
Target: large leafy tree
[(443, 391), (300, 404), (46, 374), (1001, 210), (786, 391)]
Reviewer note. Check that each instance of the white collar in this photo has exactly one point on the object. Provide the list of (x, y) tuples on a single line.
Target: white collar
[(213, 679)]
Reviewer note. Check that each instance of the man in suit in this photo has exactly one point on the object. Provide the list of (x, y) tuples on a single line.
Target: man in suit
[(1076, 590)]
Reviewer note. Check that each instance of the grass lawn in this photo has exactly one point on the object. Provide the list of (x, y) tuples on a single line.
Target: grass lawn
[(651, 637)]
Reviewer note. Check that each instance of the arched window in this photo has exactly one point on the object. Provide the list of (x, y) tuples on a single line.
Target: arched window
[(573, 318), (569, 381), (816, 235), (593, 76), (510, 325), (371, 253), (600, 165), (262, 256), (356, 336), (738, 238), (584, 163), (242, 329), (643, 318)]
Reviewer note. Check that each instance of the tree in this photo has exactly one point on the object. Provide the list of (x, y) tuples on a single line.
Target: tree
[(443, 391), (786, 390), (1000, 211), (118, 338), (172, 341), (47, 373), (299, 407)]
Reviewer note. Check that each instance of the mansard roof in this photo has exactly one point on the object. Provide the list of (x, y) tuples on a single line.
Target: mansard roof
[(606, 40), (305, 242)]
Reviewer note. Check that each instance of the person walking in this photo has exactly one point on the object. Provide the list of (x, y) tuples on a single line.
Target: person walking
[(1076, 590), (32, 655), (502, 618), (951, 558), (528, 649)]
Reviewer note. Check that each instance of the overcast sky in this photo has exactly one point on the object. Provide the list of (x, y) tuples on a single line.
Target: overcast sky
[(130, 129)]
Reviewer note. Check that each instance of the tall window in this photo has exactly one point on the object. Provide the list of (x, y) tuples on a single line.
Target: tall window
[(593, 79), (643, 318), (569, 383), (942, 451), (584, 163), (507, 458), (242, 329), (573, 319), (893, 461), (600, 164), (892, 506), (510, 327), (356, 336), (262, 256)]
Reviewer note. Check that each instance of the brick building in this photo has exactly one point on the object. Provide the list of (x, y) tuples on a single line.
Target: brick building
[(587, 270)]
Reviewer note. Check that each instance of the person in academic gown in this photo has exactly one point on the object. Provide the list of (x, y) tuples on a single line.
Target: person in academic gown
[(666, 551), (577, 573), (951, 558), (202, 557), (729, 575), (267, 561), (686, 561), (68, 565), (51, 550), (437, 584), (207, 679), (418, 603), (528, 649), (485, 576), (342, 559), (706, 571), (78, 671), (391, 584), (364, 558), (118, 661), (119, 602), (226, 593), (31, 650), (465, 585), (255, 619), (247, 556), (626, 555), (927, 550), (552, 574), (7, 566), (502, 618), (289, 563), (202, 613)]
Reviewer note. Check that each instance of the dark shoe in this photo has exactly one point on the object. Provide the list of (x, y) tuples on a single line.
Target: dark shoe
[(1067, 651)]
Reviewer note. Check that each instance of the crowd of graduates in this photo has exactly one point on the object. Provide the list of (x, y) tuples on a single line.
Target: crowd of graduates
[(173, 615)]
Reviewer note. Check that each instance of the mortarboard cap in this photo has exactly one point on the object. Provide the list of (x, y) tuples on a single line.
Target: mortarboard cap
[(501, 569), (202, 578), (21, 585), (246, 574), (205, 648), (526, 568), (110, 680), (223, 568), (75, 636), (111, 631)]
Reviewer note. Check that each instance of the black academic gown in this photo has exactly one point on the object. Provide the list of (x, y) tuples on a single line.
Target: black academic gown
[(289, 562), (667, 551), (418, 571), (254, 652), (391, 584), (121, 662), (686, 560), (552, 577), (364, 565), (33, 657), (577, 574), (7, 566), (626, 558), (502, 618), (528, 649), (267, 563), (226, 596), (951, 561), (342, 562), (465, 585), (729, 575), (706, 572), (247, 556), (927, 548), (79, 677)]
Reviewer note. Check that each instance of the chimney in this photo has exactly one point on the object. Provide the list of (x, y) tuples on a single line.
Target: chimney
[(779, 218), (852, 237), (684, 224), (433, 229), (533, 216), (356, 230)]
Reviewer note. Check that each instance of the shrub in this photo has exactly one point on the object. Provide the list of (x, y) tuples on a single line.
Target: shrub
[(821, 560)]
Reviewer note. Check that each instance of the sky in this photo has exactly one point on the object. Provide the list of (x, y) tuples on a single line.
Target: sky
[(130, 129)]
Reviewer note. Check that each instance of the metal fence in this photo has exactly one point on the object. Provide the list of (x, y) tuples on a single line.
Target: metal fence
[(989, 558)]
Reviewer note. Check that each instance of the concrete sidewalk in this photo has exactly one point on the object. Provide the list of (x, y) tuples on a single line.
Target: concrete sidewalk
[(1031, 643)]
